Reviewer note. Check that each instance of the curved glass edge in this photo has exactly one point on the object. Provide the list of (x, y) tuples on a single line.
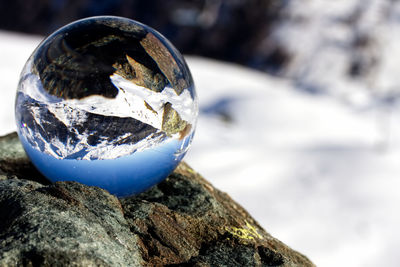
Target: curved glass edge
[(123, 176)]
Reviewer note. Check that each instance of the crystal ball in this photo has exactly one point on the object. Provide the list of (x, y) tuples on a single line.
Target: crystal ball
[(108, 102)]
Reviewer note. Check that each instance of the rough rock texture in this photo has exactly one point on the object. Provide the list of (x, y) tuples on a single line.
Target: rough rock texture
[(183, 221)]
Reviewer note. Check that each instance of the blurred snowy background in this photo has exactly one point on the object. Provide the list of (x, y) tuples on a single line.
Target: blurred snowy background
[(308, 140)]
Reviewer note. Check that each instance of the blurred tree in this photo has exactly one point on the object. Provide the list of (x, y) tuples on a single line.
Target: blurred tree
[(230, 30)]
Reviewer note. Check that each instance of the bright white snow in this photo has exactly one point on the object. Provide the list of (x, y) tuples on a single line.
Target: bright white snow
[(317, 173)]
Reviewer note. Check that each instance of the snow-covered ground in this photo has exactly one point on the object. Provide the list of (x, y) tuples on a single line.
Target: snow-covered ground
[(342, 48), (319, 174)]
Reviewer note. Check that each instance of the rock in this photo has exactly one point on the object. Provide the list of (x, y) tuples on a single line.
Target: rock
[(183, 221)]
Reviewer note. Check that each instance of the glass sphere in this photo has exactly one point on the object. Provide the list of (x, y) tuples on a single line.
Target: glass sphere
[(108, 102)]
